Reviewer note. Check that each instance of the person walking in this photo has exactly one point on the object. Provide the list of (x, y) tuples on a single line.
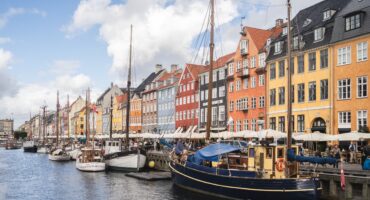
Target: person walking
[(336, 153), (352, 152)]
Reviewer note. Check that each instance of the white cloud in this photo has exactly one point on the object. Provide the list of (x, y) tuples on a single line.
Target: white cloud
[(162, 33), (5, 58)]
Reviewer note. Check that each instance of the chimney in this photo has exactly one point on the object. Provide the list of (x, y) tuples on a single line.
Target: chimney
[(279, 22), (111, 84), (173, 67), (158, 67)]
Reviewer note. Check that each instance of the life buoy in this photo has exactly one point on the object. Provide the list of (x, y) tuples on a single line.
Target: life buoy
[(280, 165)]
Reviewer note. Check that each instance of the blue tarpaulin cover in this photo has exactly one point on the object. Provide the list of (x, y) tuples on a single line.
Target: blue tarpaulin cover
[(212, 151), (314, 160)]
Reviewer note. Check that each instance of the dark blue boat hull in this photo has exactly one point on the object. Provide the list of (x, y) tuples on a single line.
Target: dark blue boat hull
[(243, 187)]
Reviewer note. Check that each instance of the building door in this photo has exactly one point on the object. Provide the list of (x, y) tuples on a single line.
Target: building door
[(319, 125)]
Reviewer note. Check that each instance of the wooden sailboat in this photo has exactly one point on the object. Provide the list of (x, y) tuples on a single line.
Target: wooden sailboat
[(263, 171), (126, 159), (91, 159), (58, 153)]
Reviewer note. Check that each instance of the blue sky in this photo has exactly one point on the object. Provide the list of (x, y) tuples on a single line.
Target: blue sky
[(69, 45)]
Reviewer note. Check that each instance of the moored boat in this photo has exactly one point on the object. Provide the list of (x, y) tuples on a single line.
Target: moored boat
[(59, 155), (30, 146), (90, 160)]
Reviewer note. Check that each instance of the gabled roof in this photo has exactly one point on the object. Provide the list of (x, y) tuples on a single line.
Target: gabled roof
[(220, 62), (194, 69), (147, 81), (75, 101), (259, 36)]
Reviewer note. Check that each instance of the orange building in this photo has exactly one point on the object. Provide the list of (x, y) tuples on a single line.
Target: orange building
[(246, 80), (135, 114)]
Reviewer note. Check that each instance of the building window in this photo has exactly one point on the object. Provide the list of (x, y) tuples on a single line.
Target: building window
[(282, 124), (278, 47), (312, 91), (253, 102), (214, 114), (344, 120), (362, 87), (301, 64), (231, 69), (243, 46), (272, 71), (253, 62), (295, 42), (231, 106), (282, 68), (324, 89), (324, 58), (353, 22), (319, 34), (262, 101), (254, 124), (221, 113), (245, 124), (361, 51), (344, 89), (238, 84), (222, 91), (281, 95), (272, 97), (292, 93), (292, 65), (361, 119), (231, 87), (312, 61), (273, 123), (344, 55), (301, 92), (292, 122), (231, 126), (328, 14), (245, 84), (253, 82), (261, 60), (238, 125), (300, 123), (261, 80), (238, 66), (214, 93), (285, 31)]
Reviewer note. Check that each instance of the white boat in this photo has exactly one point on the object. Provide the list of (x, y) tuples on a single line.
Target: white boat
[(43, 149), (30, 146), (90, 160), (125, 160), (59, 155), (75, 153)]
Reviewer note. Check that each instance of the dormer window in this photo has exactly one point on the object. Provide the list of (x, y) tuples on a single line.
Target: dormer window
[(319, 34), (307, 22), (268, 42), (328, 14), (244, 47), (285, 30), (278, 47), (353, 22), (295, 42)]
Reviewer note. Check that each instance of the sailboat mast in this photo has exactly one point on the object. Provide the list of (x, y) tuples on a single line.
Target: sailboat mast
[(210, 74), (289, 87), (43, 124), (87, 117), (111, 117), (57, 119), (128, 92)]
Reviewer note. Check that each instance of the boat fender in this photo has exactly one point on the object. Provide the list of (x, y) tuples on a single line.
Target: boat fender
[(280, 165)]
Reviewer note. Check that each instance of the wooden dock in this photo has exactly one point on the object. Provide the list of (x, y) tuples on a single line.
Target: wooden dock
[(150, 176)]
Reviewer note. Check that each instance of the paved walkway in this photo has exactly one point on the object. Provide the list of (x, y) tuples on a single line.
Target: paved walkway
[(354, 169)]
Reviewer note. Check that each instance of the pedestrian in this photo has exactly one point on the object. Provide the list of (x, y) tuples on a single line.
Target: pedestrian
[(352, 151), (365, 155), (336, 153)]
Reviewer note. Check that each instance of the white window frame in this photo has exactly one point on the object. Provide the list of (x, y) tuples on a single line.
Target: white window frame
[(344, 56), (362, 51), (344, 89), (262, 60), (253, 82), (262, 101), (344, 119), (238, 85), (261, 80), (362, 87), (361, 118), (319, 34)]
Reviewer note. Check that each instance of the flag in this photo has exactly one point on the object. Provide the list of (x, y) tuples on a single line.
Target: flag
[(93, 108), (342, 178)]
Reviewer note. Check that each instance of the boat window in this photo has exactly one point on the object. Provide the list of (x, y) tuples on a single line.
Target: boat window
[(236, 143), (251, 152), (109, 144), (280, 153), (269, 153), (243, 144)]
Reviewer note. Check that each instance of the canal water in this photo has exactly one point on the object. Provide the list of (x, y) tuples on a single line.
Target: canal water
[(33, 176)]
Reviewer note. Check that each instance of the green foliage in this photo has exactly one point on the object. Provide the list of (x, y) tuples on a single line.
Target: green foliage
[(20, 134)]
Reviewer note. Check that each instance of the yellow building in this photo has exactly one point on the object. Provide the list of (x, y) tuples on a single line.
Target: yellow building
[(79, 122), (118, 103), (351, 68), (99, 120), (312, 68)]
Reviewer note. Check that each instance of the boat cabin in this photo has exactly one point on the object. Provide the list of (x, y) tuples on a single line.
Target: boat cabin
[(90, 155), (112, 146)]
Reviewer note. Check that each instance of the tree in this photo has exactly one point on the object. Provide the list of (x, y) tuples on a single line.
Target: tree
[(20, 134)]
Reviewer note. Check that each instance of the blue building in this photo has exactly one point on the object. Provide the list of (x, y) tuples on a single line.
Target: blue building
[(166, 100)]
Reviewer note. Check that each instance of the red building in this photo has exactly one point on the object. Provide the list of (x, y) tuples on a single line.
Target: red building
[(187, 98)]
